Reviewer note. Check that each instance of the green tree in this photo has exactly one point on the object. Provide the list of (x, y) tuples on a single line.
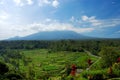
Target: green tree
[(108, 56)]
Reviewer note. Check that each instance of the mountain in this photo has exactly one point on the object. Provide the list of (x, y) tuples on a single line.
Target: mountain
[(52, 35)]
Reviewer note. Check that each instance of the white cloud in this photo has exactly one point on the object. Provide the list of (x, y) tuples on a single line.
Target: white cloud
[(92, 20), (18, 2), (22, 3), (94, 24), (55, 3), (72, 19), (117, 32), (58, 26), (3, 15), (30, 2), (84, 18), (38, 27), (106, 23), (43, 2), (1, 2), (48, 20), (100, 23), (46, 1), (52, 25)]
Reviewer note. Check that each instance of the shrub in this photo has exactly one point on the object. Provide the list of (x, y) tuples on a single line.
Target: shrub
[(3, 68), (109, 56), (95, 75), (14, 76), (116, 69)]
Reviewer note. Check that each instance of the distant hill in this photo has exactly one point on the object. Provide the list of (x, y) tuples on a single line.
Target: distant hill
[(52, 35)]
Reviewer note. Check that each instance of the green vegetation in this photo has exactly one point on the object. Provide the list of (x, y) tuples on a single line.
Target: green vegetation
[(53, 64), (53, 60)]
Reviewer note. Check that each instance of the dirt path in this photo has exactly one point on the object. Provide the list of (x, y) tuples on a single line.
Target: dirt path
[(89, 53)]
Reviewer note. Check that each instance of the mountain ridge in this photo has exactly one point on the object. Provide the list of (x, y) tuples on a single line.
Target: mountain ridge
[(52, 35)]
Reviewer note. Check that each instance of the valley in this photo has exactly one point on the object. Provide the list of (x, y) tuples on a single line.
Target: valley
[(53, 60)]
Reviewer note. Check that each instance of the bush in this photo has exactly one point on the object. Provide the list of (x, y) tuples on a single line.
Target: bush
[(108, 56), (3, 68), (116, 69), (14, 76), (95, 75)]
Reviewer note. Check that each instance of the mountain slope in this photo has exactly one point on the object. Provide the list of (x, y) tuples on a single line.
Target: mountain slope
[(53, 35)]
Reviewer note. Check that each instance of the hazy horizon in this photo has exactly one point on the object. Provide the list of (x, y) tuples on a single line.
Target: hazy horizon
[(96, 18)]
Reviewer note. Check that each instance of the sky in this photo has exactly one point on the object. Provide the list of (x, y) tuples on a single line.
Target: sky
[(96, 18)]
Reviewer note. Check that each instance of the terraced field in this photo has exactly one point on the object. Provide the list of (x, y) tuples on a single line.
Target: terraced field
[(53, 64)]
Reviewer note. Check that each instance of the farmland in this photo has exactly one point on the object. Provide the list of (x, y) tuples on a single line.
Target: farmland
[(53, 60)]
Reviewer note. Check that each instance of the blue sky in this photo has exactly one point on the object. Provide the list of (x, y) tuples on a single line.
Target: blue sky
[(98, 18)]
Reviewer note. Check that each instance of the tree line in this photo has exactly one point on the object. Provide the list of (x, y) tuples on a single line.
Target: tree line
[(94, 46)]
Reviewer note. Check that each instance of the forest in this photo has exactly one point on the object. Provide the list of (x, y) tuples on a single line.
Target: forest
[(60, 60)]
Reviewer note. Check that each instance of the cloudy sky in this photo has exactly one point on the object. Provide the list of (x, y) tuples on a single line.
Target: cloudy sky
[(99, 18)]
